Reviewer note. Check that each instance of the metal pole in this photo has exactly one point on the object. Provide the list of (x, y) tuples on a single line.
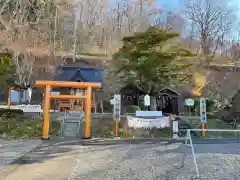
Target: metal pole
[(193, 153), (75, 35)]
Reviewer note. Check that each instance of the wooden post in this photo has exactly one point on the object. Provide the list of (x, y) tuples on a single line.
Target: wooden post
[(46, 112), (88, 105), (9, 97), (116, 128), (203, 130)]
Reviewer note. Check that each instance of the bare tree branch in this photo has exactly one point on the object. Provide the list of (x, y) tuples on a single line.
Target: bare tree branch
[(212, 20)]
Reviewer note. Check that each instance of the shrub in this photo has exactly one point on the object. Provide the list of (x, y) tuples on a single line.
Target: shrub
[(132, 109), (212, 116), (10, 112), (210, 104), (105, 127), (15, 128)]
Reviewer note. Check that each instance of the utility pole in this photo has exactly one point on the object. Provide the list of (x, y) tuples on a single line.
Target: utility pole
[(75, 34)]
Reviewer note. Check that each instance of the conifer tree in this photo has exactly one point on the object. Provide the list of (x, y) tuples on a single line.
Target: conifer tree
[(148, 60)]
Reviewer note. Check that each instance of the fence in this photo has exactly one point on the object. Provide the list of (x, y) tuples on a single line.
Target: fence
[(103, 125)]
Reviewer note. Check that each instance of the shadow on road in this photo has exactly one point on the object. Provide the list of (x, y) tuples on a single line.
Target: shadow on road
[(58, 147), (61, 146), (48, 150)]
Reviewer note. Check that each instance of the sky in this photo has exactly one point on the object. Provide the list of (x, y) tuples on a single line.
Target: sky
[(172, 4), (179, 5)]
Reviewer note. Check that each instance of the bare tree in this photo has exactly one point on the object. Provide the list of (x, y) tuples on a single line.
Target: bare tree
[(101, 27), (212, 20), (29, 30)]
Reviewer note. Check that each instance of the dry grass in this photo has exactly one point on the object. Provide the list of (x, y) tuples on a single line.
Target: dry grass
[(105, 127)]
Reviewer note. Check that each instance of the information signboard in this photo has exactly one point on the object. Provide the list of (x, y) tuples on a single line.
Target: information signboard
[(116, 107), (203, 111), (146, 100)]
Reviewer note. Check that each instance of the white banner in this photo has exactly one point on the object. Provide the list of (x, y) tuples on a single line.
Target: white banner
[(159, 123)]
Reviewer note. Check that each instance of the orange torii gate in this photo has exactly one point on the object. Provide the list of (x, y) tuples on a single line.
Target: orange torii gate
[(66, 84)]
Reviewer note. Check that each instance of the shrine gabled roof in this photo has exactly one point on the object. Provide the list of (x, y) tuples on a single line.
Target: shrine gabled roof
[(80, 74)]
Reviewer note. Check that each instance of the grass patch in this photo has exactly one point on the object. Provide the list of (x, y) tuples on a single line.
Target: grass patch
[(12, 128), (105, 128), (211, 124), (215, 124)]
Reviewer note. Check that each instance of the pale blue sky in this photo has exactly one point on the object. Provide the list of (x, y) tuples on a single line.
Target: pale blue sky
[(172, 4), (179, 4)]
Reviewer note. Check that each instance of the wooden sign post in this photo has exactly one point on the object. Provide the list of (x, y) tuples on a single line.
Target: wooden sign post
[(203, 115), (116, 102)]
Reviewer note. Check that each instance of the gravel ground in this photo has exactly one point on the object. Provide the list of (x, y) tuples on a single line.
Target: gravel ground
[(158, 162), (130, 161), (13, 149)]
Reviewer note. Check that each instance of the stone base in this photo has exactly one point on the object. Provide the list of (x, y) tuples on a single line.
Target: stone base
[(90, 137), (45, 138), (175, 136)]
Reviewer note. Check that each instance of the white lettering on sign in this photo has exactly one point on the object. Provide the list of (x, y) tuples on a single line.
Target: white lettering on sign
[(30, 108), (117, 107)]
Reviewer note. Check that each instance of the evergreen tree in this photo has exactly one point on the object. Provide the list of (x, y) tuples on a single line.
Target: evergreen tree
[(7, 71), (149, 61)]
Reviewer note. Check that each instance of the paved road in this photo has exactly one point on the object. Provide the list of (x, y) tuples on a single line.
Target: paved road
[(131, 160)]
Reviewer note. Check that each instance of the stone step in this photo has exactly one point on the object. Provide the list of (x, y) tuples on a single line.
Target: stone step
[(71, 129)]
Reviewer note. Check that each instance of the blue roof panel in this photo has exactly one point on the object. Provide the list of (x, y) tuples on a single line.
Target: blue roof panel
[(88, 74), (92, 75), (65, 74)]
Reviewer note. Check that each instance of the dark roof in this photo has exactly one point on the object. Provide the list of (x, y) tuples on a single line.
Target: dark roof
[(167, 91), (82, 74), (83, 63), (131, 89)]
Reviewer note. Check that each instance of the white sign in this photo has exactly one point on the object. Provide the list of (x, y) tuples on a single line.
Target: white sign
[(161, 122), (112, 101), (149, 113), (117, 107), (30, 108), (203, 111), (175, 126), (189, 102), (146, 100), (55, 93)]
